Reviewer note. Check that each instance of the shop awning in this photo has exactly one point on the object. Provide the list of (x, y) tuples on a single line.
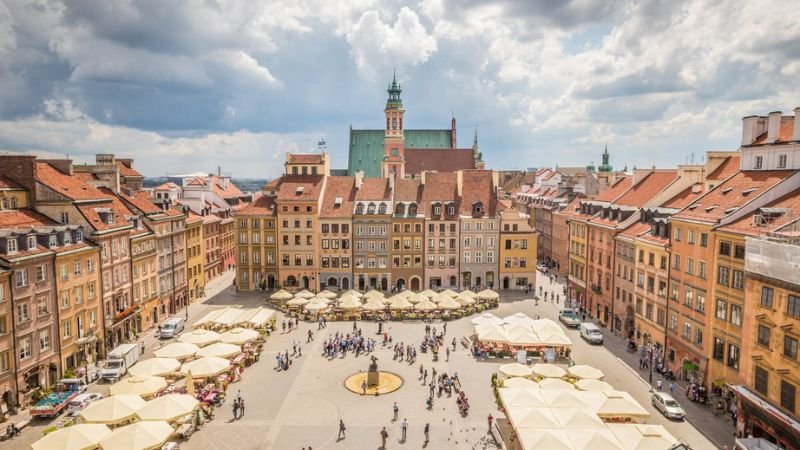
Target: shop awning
[(783, 419)]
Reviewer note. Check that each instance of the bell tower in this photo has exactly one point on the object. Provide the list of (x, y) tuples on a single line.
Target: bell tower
[(393, 165)]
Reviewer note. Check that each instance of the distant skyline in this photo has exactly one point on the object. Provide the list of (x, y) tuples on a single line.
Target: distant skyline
[(188, 86)]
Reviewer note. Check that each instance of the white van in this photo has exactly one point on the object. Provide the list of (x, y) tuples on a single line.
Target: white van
[(172, 327), (591, 333)]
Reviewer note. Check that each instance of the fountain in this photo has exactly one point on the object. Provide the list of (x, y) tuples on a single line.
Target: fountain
[(373, 381)]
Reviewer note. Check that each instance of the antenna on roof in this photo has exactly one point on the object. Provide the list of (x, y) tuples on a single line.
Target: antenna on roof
[(692, 158), (322, 145)]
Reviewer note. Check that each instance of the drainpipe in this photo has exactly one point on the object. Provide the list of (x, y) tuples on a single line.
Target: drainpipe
[(14, 341)]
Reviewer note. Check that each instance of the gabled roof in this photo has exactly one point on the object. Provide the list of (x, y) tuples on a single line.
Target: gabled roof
[(300, 188), (366, 150), (726, 169), (439, 187), (167, 185), (375, 189), (71, 187), (644, 191), (571, 209), (197, 181), (786, 210), (192, 217), (418, 160), (127, 171), (92, 213), (732, 194), (262, 206), (408, 190), (685, 197), (635, 230), (140, 201), (340, 192), (477, 186), (24, 218), (228, 190), (616, 189)]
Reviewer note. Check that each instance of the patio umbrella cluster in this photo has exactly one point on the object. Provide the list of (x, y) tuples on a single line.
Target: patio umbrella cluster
[(519, 330), (230, 317)]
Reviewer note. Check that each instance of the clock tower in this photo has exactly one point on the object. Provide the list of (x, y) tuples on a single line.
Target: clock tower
[(393, 165)]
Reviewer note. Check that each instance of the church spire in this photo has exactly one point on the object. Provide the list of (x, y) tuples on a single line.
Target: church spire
[(394, 101)]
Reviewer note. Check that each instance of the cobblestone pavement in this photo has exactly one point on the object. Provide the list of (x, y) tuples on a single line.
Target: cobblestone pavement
[(302, 406)]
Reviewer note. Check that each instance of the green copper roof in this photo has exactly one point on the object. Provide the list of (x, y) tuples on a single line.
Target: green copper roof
[(366, 147)]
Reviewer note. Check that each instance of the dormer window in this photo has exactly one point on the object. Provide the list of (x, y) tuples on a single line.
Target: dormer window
[(437, 209), (477, 208), (110, 218), (67, 238), (382, 208), (337, 202), (11, 244), (52, 241), (451, 210), (371, 208), (31, 242), (360, 209), (412, 209), (299, 190), (5, 203), (400, 210), (79, 235)]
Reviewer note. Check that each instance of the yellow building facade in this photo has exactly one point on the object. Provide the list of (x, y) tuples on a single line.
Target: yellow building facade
[(195, 256), (517, 251)]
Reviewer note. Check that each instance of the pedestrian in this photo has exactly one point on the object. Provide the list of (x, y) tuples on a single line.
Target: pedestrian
[(427, 431), (241, 408), (299, 350), (447, 354), (659, 384), (425, 377), (341, 430), (445, 328), (420, 371), (404, 429), (296, 322), (672, 388), (454, 344), (142, 347), (364, 387), (235, 409), (384, 436), (283, 325), (310, 336), (490, 419), (395, 409)]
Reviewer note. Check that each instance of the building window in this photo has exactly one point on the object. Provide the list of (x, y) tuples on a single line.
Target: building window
[(678, 233), (761, 383), (703, 239), (718, 352), (788, 395), (759, 162), (733, 356), (722, 310), (21, 277), (725, 248), (736, 315), (767, 294), (44, 340), (738, 280), (781, 161), (701, 269), (25, 348), (790, 347), (676, 262), (763, 335), (793, 305), (723, 275)]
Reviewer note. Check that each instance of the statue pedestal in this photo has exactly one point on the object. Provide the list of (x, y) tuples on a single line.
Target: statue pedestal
[(372, 378)]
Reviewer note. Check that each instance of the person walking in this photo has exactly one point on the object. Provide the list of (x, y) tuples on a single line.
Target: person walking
[(490, 420), (447, 354), (659, 385), (341, 430), (445, 328), (235, 408), (384, 436), (241, 408), (427, 432), (672, 388), (404, 430), (395, 409), (364, 387)]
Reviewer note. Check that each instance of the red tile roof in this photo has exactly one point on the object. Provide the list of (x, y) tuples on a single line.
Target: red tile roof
[(140, 201), (684, 198), (785, 133), (127, 171), (197, 181), (272, 185), (374, 189), (726, 169), (616, 189), (311, 184), (92, 212), (24, 218), (644, 191), (571, 209), (167, 185), (304, 159), (418, 160), (734, 192), (439, 187), (191, 217), (262, 206), (406, 190), (790, 203), (636, 230), (225, 191), (71, 187), (477, 186), (6, 183), (342, 188)]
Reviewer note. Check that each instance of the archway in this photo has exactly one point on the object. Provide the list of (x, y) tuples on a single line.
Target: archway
[(305, 282), (291, 281), (506, 282), (400, 284), (466, 280), (332, 282), (453, 281), (477, 281), (415, 284), (361, 283), (271, 281), (345, 283), (384, 284)]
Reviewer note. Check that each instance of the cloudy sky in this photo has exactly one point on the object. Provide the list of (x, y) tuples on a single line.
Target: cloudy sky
[(190, 85)]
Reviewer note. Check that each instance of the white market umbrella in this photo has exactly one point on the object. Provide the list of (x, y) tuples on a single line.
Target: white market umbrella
[(112, 410), (519, 319), (555, 384), (564, 398), (353, 292), (220, 350), (621, 404), (297, 301), (199, 337), (374, 304), (315, 306), (449, 303), (144, 386), (492, 333), (486, 318), (522, 336), (520, 383), (525, 398), (641, 436), (428, 293), (449, 292), (373, 294), (440, 297), (281, 295), (406, 293), (304, 294), (397, 297), (488, 294), (209, 317), (83, 436), (577, 419), (515, 370), (594, 439), (467, 293), (532, 417), (545, 326), (178, 350), (261, 317), (400, 304), (416, 298), (154, 367), (208, 366), (593, 385), (550, 439), (425, 305), (327, 294), (168, 407), (584, 372), (238, 336), (138, 436), (350, 303), (464, 300), (555, 338)]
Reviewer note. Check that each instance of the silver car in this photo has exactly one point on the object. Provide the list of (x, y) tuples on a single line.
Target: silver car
[(667, 405), (82, 401)]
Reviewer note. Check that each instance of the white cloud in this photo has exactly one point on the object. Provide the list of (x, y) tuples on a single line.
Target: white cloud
[(375, 43)]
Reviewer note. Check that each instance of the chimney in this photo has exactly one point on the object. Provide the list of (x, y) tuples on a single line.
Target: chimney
[(774, 127), (104, 159), (796, 133), (460, 182), (453, 132), (21, 169), (219, 171), (359, 179), (422, 178)]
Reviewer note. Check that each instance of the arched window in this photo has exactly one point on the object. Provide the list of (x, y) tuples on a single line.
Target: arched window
[(400, 210), (451, 209), (412, 209), (437, 209)]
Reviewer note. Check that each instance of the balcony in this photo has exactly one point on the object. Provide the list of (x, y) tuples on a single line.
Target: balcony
[(597, 289)]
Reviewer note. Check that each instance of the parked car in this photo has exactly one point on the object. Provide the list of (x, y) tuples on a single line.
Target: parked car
[(569, 318), (542, 267), (591, 333), (82, 401), (668, 406), (172, 328)]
